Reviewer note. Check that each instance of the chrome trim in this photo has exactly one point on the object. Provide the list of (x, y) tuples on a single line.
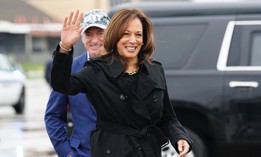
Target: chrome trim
[(224, 50), (223, 54), (247, 22), (243, 84), (242, 68)]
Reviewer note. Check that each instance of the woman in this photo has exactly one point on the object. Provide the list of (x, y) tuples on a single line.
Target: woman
[(127, 89)]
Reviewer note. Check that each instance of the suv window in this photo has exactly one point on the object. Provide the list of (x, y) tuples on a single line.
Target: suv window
[(177, 40), (255, 49), (244, 51)]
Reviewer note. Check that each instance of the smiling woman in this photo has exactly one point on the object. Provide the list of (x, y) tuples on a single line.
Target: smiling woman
[(128, 89)]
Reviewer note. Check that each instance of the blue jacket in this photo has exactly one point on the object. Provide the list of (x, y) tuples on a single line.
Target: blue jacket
[(84, 118)]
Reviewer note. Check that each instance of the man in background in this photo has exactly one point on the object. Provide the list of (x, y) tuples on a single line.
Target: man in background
[(83, 114)]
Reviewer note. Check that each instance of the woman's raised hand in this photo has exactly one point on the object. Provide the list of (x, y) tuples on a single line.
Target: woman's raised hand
[(71, 30)]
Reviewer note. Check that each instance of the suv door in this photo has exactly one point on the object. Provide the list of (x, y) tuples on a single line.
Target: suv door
[(241, 61)]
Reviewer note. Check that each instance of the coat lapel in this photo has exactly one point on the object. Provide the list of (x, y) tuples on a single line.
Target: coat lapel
[(144, 85), (147, 81)]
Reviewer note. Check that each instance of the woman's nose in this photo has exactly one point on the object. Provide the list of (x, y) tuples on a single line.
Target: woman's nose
[(133, 39)]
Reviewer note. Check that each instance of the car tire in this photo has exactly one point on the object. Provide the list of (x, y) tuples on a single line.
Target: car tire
[(198, 150), (19, 107), (199, 147)]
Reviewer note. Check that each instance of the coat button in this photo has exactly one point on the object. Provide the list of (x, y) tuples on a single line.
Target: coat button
[(122, 97), (108, 151), (155, 98)]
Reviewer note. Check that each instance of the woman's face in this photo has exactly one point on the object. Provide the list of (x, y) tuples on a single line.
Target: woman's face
[(130, 43)]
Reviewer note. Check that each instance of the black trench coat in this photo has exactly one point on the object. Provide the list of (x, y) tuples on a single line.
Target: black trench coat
[(126, 126)]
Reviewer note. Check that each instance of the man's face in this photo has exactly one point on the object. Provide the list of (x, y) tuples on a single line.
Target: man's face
[(93, 41)]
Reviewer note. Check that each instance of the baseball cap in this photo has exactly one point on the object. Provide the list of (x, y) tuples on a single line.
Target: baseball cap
[(95, 18)]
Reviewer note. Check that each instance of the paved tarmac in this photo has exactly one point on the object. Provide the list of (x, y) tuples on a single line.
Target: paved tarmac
[(25, 135)]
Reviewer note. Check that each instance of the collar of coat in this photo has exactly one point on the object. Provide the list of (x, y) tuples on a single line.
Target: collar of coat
[(151, 77), (116, 68)]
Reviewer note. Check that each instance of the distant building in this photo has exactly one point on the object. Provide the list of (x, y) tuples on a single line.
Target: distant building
[(31, 31)]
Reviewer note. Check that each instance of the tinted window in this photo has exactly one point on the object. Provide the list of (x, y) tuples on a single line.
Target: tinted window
[(12, 42), (255, 49), (234, 52), (245, 48), (39, 44), (175, 43)]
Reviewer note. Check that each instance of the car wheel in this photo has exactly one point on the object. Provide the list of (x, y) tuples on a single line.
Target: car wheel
[(19, 107), (199, 149)]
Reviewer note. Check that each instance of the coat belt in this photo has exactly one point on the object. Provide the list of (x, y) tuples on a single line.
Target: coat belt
[(124, 130)]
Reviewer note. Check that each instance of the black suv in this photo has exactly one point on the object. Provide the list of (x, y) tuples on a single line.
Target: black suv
[(211, 53)]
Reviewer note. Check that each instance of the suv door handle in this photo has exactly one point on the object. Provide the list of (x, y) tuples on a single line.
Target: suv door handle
[(243, 84)]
